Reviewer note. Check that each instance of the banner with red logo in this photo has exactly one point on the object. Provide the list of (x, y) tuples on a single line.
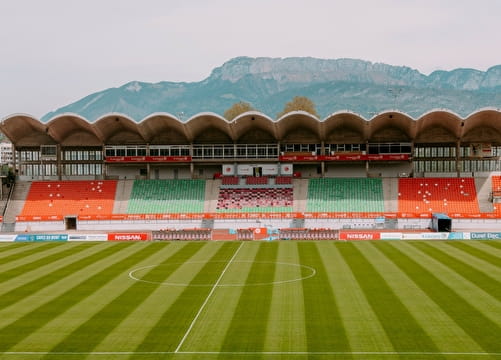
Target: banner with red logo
[(128, 237), (359, 235)]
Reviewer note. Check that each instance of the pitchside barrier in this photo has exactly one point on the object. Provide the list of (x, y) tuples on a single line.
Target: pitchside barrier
[(258, 215), (260, 234)]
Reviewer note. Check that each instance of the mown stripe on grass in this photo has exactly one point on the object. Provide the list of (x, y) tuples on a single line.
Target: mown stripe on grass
[(33, 286), (211, 326), (80, 312), (436, 323), (9, 248), (39, 316), (493, 243), (362, 326), (171, 326), (483, 245), (90, 333), (401, 327), (487, 283), (480, 328), (247, 330), (27, 250), (286, 324), (38, 269), (472, 249), (129, 333), (324, 327)]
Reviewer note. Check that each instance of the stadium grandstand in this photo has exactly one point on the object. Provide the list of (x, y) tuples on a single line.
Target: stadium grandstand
[(297, 176)]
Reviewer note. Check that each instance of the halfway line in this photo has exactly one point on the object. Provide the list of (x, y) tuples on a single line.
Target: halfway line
[(207, 299)]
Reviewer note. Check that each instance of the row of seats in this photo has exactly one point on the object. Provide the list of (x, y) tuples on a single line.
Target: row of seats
[(324, 194), (345, 195), (77, 197), (167, 196), (437, 195), (255, 200)]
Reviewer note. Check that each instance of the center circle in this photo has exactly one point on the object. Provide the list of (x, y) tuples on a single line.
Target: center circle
[(151, 274)]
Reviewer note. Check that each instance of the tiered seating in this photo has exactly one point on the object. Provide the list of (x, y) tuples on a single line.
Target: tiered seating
[(255, 200), (167, 196), (445, 195), (496, 193), (230, 180), (345, 195), (496, 186), (256, 180), (49, 198), (283, 180)]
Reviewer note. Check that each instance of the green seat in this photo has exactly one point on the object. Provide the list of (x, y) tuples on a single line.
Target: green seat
[(345, 195), (167, 196)]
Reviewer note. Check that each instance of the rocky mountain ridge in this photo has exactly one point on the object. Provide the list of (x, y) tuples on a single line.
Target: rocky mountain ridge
[(333, 84)]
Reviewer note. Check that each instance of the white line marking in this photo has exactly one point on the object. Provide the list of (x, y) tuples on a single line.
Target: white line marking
[(279, 353), (133, 276), (207, 299)]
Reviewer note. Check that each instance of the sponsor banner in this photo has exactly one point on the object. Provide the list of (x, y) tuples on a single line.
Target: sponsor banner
[(228, 170), (41, 237), (88, 237), (7, 238), (128, 237), (359, 235), (286, 169), (269, 169), (244, 169), (485, 235), (346, 157), (139, 159), (435, 236), (391, 236), (39, 218)]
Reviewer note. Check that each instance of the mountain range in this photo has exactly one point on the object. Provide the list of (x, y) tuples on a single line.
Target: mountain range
[(332, 84)]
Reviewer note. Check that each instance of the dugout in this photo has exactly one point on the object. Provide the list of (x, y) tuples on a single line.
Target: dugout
[(441, 223)]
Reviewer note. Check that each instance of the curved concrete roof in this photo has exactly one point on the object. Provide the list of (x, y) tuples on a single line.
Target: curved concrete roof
[(435, 126)]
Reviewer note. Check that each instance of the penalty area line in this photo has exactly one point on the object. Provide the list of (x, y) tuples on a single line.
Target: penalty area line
[(207, 299)]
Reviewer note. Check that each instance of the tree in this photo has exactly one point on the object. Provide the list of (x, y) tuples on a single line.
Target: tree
[(237, 109), (299, 103)]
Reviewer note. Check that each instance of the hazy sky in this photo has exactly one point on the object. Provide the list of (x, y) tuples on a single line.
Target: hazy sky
[(54, 52)]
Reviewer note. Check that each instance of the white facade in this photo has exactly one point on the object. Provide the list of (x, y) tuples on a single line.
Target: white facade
[(6, 154)]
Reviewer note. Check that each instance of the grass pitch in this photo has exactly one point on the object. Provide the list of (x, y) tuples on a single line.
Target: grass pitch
[(251, 300)]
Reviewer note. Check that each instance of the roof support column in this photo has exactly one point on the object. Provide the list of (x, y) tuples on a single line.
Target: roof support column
[(458, 158), (59, 166)]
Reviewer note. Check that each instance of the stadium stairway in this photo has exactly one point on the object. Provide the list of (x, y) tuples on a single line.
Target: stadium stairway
[(484, 189), (16, 203), (122, 196), (390, 194), (211, 195), (300, 194)]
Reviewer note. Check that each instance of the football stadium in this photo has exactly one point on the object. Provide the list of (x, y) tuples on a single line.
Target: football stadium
[(296, 238)]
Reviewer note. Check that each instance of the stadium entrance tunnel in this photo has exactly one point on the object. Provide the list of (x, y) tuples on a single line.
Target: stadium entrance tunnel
[(70, 222)]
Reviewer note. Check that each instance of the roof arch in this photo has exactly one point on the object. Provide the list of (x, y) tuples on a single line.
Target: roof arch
[(163, 128), (253, 121), (72, 129), (444, 121), (391, 126), (345, 126), (296, 120), (483, 125), (208, 127), (25, 130), (118, 128)]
